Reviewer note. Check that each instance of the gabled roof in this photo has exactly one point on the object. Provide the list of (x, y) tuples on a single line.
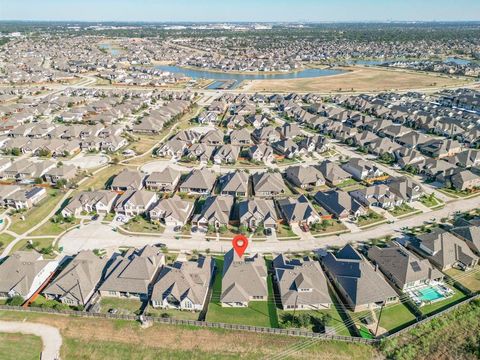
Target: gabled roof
[(185, 279), (357, 277)]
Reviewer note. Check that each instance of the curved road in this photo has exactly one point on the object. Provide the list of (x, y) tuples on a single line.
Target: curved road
[(51, 338)]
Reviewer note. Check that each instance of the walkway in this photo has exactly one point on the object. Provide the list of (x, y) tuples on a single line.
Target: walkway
[(51, 338)]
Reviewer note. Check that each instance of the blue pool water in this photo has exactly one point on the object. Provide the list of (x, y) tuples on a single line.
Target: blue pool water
[(430, 294)]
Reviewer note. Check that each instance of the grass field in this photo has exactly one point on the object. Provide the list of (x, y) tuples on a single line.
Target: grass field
[(5, 239), (38, 244), (357, 79), (469, 279), (175, 314), (101, 179), (19, 346), (52, 228), (96, 339), (36, 213), (124, 306)]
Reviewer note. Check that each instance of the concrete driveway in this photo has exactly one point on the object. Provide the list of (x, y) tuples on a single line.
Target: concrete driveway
[(51, 338)]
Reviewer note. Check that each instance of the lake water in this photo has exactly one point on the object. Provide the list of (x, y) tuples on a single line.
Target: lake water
[(111, 50), (238, 78)]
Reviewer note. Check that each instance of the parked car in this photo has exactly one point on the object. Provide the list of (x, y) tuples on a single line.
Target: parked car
[(304, 227)]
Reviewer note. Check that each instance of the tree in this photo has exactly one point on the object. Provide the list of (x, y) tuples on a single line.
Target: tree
[(17, 300)]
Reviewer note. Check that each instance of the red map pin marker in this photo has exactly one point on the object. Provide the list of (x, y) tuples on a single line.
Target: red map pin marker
[(240, 244)]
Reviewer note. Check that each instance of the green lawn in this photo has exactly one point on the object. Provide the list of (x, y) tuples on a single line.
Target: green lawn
[(54, 228), (101, 179), (284, 230), (37, 244), (19, 346), (440, 305), (172, 313), (124, 306), (5, 239), (36, 214), (395, 317), (469, 279), (333, 226), (371, 218), (141, 225), (430, 202), (256, 314), (402, 210)]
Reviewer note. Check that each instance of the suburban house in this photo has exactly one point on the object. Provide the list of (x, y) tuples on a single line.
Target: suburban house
[(25, 198), (164, 181), (131, 275), (201, 152), (65, 172), (127, 180), (100, 201), (135, 202), (406, 189), (266, 134), (23, 273), (234, 183), (358, 282), (215, 212), (446, 250), (464, 180), (298, 210), (172, 211), (301, 284), (377, 195), (77, 282), (268, 184), (361, 169), (199, 181), (257, 212), (470, 234), (305, 177), (174, 148), (261, 153), (240, 137), (340, 204), (243, 280), (183, 285), (440, 148), (226, 154), (333, 173), (402, 267)]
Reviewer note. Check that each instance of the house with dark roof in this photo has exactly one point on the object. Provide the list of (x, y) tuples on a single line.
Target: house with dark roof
[(340, 204), (402, 267), (360, 284)]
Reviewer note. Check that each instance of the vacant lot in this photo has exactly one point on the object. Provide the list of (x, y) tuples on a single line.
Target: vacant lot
[(357, 79), (108, 339), (19, 346)]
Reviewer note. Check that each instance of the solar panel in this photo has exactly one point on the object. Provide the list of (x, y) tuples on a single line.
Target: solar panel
[(415, 266)]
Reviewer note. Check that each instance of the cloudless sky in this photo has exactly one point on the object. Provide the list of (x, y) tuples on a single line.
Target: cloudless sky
[(240, 10)]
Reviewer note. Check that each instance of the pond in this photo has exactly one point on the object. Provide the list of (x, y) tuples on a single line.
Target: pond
[(223, 77)]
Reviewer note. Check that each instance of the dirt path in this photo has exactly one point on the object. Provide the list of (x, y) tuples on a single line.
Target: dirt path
[(51, 338)]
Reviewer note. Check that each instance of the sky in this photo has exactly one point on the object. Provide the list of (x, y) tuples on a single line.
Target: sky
[(241, 10)]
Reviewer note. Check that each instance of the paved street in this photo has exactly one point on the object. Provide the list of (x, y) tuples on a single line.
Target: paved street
[(100, 236)]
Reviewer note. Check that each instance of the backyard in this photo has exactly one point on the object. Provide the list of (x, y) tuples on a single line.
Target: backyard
[(171, 313), (124, 306), (256, 314), (442, 304), (469, 279)]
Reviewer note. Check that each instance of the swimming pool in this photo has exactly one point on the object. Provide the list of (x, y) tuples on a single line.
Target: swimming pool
[(430, 294)]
